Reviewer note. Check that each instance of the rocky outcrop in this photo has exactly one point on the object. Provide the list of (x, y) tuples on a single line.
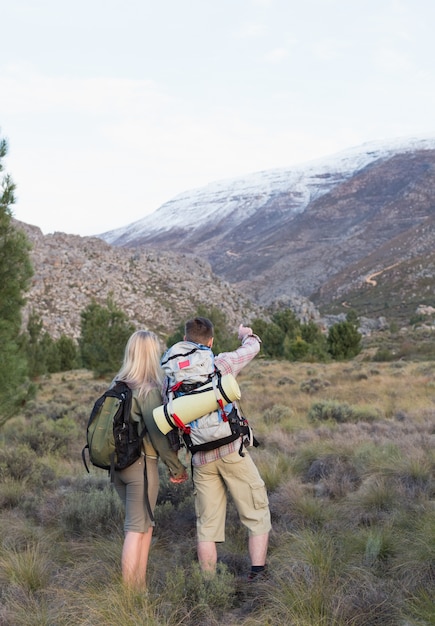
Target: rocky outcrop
[(156, 290)]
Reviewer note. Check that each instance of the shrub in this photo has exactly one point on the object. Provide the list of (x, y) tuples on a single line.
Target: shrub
[(313, 384), (104, 334), (341, 412), (344, 341), (200, 593), (49, 437), (17, 462), (92, 514), (365, 413), (330, 410), (383, 354), (276, 414)]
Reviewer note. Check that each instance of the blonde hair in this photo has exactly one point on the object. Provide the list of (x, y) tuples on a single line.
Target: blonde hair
[(141, 366)]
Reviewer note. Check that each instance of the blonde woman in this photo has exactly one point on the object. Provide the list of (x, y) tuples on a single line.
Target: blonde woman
[(141, 371)]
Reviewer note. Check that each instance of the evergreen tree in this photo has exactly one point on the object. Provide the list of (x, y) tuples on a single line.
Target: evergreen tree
[(286, 337), (15, 272), (104, 333), (68, 353), (259, 326), (344, 340), (273, 340), (318, 347), (34, 348), (46, 355), (51, 354), (295, 349), (288, 322)]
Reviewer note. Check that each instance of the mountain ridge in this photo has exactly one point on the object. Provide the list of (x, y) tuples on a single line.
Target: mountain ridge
[(305, 182), (288, 241)]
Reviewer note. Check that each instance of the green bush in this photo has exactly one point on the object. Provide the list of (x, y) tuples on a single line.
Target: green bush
[(365, 414), (276, 414), (330, 410), (344, 341), (17, 462), (201, 595), (383, 355), (105, 331), (340, 412), (92, 513), (313, 384), (49, 437)]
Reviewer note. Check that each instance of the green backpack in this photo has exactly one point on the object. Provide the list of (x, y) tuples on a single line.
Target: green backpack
[(113, 441)]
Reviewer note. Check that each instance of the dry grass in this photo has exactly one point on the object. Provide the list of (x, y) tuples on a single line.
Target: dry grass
[(351, 489)]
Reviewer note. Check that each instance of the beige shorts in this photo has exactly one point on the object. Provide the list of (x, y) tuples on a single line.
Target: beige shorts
[(130, 485), (239, 475)]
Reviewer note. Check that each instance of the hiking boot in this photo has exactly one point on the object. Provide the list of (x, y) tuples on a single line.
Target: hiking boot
[(258, 576)]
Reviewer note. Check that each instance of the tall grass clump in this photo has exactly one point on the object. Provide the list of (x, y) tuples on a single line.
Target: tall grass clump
[(29, 567), (105, 604), (309, 578), (27, 570), (273, 467)]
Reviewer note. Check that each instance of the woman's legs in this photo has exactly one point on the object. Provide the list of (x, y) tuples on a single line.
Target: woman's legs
[(134, 558), (137, 527)]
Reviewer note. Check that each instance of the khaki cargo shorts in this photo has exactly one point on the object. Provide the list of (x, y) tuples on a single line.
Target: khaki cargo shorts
[(239, 475)]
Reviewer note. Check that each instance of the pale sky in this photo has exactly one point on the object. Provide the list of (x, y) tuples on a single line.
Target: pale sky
[(113, 107)]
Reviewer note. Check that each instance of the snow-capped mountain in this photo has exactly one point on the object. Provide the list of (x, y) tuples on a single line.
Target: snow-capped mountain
[(240, 198), (316, 230)]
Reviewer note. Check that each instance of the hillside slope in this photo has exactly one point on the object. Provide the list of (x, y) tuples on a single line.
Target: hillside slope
[(315, 231), (156, 290)]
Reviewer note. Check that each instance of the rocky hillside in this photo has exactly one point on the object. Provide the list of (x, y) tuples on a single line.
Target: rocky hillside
[(157, 290), (318, 232)]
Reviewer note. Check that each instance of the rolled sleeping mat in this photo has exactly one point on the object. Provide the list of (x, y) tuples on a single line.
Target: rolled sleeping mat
[(197, 403)]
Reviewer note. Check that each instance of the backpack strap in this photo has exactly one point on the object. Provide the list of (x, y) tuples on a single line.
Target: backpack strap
[(84, 457), (217, 388), (178, 355), (170, 415), (145, 482), (147, 500)]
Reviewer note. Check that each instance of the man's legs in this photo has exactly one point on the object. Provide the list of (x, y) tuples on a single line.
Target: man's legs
[(250, 498), (258, 545), (207, 556), (210, 504)]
